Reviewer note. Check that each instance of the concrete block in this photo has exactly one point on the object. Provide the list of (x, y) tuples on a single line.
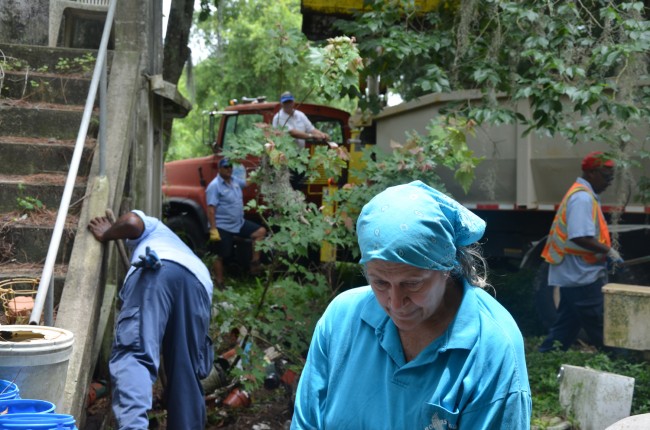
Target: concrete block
[(595, 399), (627, 314)]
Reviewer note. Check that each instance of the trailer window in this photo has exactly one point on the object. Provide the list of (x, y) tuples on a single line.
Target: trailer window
[(237, 124)]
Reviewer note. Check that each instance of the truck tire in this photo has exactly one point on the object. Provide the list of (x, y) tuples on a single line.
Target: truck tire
[(189, 232)]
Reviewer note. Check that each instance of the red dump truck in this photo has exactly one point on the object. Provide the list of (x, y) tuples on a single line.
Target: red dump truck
[(185, 181)]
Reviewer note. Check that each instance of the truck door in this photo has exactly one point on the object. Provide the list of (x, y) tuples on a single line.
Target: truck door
[(334, 128)]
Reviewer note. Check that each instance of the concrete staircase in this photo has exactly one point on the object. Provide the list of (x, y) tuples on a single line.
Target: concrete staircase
[(42, 93), (41, 98)]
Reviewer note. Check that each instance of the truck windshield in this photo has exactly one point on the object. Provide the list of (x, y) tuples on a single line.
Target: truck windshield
[(332, 127), (237, 124)]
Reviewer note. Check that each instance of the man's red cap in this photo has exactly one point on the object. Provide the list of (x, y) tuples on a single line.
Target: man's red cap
[(596, 159)]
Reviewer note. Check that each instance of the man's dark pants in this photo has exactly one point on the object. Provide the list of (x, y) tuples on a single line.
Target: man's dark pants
[(580, 307)]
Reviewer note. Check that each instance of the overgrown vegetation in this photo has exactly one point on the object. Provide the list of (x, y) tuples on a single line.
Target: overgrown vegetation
[(26, 203), (83, 64)]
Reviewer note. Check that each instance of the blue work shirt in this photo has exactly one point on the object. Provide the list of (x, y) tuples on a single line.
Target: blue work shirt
[(168, 246), (228, 201), (473, 376), (573, 271)]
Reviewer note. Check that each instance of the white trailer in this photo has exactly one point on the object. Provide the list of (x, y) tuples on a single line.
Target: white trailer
[(522, 178)]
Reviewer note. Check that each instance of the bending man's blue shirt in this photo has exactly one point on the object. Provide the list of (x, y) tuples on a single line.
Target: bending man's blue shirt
[(472, 377), (168, 247)]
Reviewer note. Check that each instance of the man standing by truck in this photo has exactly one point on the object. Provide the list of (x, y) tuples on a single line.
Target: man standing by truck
[(226, 217), (295, 122), (299, 127), (579, 251)]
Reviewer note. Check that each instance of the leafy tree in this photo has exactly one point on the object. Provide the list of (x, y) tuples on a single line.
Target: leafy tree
[(577, 68)]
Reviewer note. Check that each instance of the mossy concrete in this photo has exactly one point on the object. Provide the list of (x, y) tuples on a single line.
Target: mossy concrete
[(595, 399), (627, 314)]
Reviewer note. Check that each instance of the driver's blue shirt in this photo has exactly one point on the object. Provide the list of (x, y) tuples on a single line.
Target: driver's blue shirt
[(473, 376), (228, 200)]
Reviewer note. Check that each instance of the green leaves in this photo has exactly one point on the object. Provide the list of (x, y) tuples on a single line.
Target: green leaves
[(559, 57), (335, 68)]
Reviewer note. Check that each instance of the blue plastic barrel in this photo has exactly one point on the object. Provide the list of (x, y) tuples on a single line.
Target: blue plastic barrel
[(8, 390), (36, 421), (21, 406)]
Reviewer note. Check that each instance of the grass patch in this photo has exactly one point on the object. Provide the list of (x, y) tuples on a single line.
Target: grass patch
[(543, 370)]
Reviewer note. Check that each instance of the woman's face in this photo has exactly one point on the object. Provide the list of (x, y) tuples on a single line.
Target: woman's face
[(411, 296)]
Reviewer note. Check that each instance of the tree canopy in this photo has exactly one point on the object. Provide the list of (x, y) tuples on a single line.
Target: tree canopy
[(580, 66)]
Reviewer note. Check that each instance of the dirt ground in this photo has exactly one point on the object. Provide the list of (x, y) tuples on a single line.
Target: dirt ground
[(269, 410)]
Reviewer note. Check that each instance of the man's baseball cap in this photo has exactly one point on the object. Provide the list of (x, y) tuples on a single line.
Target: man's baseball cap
[(286, 97), (224, 162), (596, 159)]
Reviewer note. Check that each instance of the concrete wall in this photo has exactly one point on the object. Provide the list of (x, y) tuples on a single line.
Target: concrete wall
[(24, 22)]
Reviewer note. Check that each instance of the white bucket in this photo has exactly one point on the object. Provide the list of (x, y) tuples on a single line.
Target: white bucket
[(36, 359)]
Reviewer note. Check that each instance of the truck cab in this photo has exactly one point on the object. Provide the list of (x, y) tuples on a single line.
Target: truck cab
[(185, 181)]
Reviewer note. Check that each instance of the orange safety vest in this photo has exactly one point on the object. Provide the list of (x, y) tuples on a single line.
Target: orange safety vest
[(557, 245)]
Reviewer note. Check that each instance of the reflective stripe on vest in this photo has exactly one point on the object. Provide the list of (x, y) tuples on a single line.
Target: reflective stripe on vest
[(557, 245)]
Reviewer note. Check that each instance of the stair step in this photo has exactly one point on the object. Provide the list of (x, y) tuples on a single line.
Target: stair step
[(45, 120), (65, 61), (44, 187), (44, 87), (28, 156), (26, 239)]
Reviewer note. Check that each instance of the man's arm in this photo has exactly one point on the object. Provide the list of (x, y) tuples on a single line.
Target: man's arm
[(310, 132), (313, 134), (128, 226), (590, 243), (214, 233), (212, 211)]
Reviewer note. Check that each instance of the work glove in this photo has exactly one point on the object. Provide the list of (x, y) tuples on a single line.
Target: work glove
[(613, 258), (214, 235), (148, 261)]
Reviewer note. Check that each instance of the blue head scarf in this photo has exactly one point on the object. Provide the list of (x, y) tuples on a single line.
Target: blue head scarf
[(416, 225)]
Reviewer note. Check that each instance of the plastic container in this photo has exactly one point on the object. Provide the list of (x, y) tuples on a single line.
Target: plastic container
[(36, 421), (36, 359), (9, 390), (21, 406)]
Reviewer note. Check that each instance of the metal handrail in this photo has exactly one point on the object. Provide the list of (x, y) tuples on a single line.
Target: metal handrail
[(45, 294)]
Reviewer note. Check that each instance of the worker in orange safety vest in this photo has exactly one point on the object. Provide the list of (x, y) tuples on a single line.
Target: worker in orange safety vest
[(579, 250)]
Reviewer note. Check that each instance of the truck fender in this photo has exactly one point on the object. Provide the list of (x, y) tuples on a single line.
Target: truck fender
[(176, 206)]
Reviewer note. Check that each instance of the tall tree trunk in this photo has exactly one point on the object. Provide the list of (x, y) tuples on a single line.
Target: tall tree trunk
[(176, 51)]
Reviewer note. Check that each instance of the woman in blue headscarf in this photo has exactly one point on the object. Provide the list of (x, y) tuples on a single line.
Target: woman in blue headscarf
[(423, 347)]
